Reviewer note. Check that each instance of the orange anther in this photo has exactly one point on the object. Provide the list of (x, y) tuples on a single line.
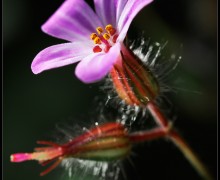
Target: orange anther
[(106, 36), (93, 36), (97, 40), (108, 27), (99, 30)]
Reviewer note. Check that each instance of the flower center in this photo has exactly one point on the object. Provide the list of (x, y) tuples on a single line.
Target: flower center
[(104, 40)]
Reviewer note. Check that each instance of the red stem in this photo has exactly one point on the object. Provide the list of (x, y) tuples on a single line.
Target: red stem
[(147, 135), (178, 141), (158, 116)]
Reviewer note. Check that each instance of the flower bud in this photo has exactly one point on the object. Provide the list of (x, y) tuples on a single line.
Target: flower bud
[(133, 80)]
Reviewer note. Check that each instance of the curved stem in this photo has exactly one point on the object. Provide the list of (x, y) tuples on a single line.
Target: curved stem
[(189, 154), (179, 141)]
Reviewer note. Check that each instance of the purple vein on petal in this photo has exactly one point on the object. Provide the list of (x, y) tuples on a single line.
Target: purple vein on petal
[(119, 4), (106, 10), (69, 19), (59, 55)]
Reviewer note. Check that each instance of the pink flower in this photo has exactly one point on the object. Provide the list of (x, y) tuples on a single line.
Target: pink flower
[(95, 39)]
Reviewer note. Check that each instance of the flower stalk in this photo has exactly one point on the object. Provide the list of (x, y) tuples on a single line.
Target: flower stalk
[(173, 135), (137, 86)]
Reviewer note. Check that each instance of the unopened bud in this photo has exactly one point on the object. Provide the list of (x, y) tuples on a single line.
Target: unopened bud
[(133, 80)]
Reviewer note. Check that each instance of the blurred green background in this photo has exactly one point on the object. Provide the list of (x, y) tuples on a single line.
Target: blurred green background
[(33, 104)]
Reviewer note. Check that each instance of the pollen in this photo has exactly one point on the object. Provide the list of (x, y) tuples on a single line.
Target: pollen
[(104, 39), (109, 28), (93, 36), (106, 36), (99, 30), (97, 40)]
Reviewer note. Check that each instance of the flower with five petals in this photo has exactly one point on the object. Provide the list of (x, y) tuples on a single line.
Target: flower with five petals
[(96, 38)]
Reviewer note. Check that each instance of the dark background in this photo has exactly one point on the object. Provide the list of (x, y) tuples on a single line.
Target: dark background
[(33, 104)]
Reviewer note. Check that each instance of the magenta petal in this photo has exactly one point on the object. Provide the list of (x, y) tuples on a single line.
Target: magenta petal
[(59, 55), (97, 65), (131, 9), (74, 20), (106, 10)]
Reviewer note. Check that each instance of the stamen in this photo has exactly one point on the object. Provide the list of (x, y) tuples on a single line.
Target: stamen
[(93, 36), (97, 40), (106, 36), (109, 28), (112, 32), (114, 38), (99, 30), (107, 48), (97, 49)]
